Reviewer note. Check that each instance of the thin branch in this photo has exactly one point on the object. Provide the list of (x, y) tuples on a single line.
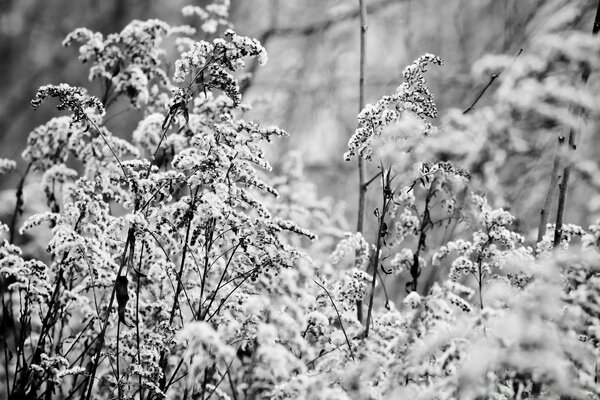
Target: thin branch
[(338, 315), (367, 183), (387, 298), (485, 88), (325, 24)]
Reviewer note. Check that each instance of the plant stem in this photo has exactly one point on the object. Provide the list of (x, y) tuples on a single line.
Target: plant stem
[(386, 182), (415, 270), (95, 360), (550, 193), (19, 205), (562, 194), (564, 185), (338, 315), (137, 317), (362, 188), (493, 77)]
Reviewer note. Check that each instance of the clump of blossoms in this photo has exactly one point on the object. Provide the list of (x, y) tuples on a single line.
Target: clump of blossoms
[(157, 243), (209, 63), (485, 255), (74, 99), (127, 61), (411, 96)]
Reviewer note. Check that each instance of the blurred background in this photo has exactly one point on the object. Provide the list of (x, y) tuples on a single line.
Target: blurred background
[(309, 86)]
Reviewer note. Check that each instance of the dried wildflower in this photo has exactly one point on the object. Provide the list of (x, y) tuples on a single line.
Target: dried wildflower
[(411, 96), (74, 99)]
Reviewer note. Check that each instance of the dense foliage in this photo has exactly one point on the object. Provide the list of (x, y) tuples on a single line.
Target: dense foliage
[(174, 263)]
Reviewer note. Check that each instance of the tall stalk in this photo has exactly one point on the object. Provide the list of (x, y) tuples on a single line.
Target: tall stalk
[(550, 192), (564, 185), (362, 187)]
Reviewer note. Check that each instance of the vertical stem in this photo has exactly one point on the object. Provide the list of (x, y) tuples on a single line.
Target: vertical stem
[(362, 189), (415, 269), (5, 344), (564, 185), (480, 283), (550, 193), (137, 317), (118, 372), (19, 205), (374, 262), (562, 194), (95, 358)]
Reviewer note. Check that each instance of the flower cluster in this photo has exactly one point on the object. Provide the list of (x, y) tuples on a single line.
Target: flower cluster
[(411, 96), (75, 99), (127, 60), (354, 246), (490, 249), (209, 63)]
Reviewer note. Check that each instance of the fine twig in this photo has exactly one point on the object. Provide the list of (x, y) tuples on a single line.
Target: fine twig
[(485, 88), (325, 24), (338, 315)]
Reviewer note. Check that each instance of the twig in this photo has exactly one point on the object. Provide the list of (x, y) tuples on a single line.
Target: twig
[(328, 23), (220, 380), (338, 315), (387, 298), (367, 183), (485, 88)]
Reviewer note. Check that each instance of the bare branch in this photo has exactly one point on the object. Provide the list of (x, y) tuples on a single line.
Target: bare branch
[(338, 315), (485, 88)]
